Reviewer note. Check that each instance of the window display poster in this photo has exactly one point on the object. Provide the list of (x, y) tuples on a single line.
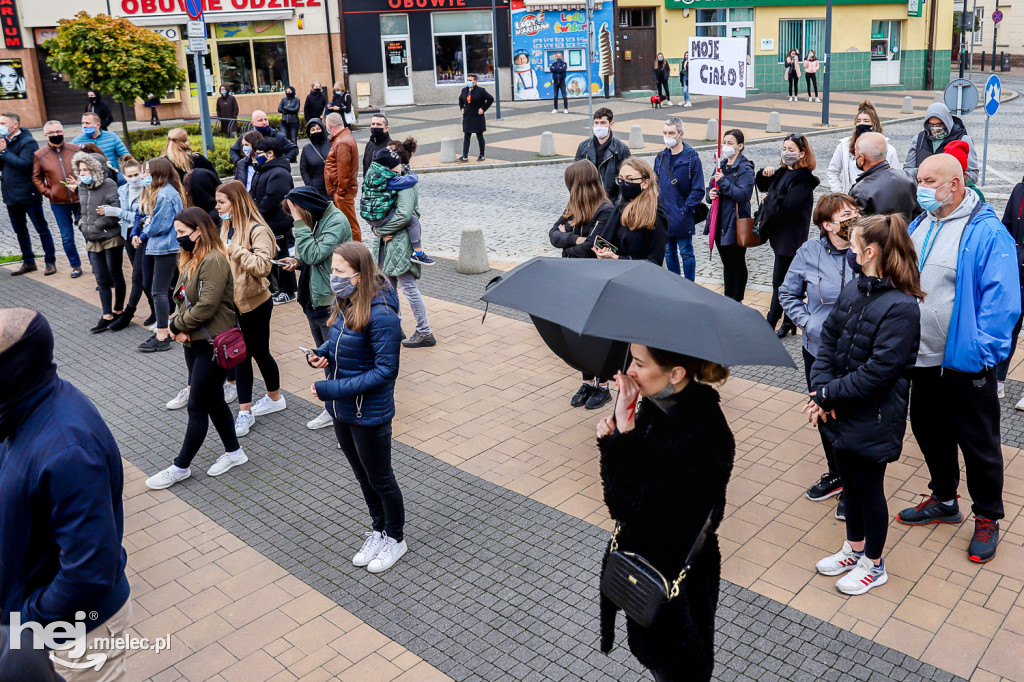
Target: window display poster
[(538, 34), (12, 79)]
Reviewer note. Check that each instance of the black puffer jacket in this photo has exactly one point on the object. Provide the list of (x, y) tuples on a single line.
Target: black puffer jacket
[(862, 369), (660, 482), (787, 207), (272, 182), (599, 226)]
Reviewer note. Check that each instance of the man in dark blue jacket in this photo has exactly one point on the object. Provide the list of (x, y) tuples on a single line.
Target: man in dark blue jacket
[(681, 190), (558, 68), (17, 155), (61, 520)]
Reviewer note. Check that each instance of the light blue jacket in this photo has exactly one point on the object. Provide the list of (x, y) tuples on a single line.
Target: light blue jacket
[(812, 287), (129, 209), (160, 230), (986, 304), (112, 146)]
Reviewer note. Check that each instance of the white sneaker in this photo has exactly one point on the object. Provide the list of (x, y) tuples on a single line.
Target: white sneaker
[(374, 541), (389, 552), (565, 111), (842, 561), (167, 478), (267, 405), (226, 462), (817, 99), (1000, 389), (554, 111), (810, 99), (687, 104), (863, 577), (243, 422), (1019, 405), (667, 103), (152, 327), (179, 401), (230, 392), (322, 420)]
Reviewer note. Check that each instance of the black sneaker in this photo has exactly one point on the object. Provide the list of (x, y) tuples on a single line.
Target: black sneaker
[(580, 399), (480, 158), (418, 340), (930, 511), (827, 486), (150, 321), (599, 396), (840, 508), (102, 325), (986, 537), (153, 345), (462, 159)]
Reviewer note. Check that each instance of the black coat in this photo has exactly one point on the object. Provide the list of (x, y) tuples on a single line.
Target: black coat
[(660, 482), (340, 104), (661, 72), (616, 153), (372, 148), (882, 190), (789, 202), (1013, 218), (101, 109), (639, 244), (202, 189), (312, 159), (16, 170), (315, 104), (599, 226), (288, 107), (198, 161), (242, 171), (471, 103), (862, 369), (272, 182), (289, 150)]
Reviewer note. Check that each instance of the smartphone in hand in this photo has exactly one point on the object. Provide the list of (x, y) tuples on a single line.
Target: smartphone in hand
[(602, 243)]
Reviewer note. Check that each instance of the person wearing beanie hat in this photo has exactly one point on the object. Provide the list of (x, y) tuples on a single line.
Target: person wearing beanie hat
[(379, 198), (960, 150)]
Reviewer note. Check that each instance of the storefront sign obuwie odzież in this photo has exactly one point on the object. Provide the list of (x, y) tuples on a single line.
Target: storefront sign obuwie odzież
[(134, 7), (10, 24)]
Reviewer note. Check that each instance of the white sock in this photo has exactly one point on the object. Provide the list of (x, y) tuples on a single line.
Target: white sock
[(948, 503), (236, 453), (178, 470)]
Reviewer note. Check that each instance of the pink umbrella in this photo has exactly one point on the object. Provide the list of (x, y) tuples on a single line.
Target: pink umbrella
[(712, 224)]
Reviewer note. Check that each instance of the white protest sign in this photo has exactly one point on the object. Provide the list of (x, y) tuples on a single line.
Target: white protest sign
[(718, 66)]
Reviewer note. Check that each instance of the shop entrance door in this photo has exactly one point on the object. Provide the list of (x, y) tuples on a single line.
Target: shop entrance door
[(885, 52), (397, 85)]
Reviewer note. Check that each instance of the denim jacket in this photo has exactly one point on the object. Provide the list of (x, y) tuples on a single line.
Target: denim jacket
[(160, 231), (129, 209)]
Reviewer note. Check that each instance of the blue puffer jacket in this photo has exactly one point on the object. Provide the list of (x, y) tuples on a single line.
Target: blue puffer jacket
[(162, 239), (363, 365)]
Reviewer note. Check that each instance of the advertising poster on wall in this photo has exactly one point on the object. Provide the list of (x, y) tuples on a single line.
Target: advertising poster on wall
[(538, 35), (12, 79)]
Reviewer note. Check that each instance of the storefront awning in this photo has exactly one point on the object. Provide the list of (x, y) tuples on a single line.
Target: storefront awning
[(215, 17), (560, 6)]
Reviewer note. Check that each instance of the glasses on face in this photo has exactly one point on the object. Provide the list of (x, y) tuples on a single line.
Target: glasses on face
[(628, 181)]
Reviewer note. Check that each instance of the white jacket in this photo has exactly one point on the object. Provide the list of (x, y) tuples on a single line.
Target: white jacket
[(843, 171)]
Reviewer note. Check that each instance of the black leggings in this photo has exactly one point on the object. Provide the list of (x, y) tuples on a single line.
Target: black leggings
[(867, 515), (255, 326), (794, 85), (281, 279), (782, 264), (465, 143), (734, 270), (106, 266), (812, 78), (137, 258), (205, 403), (826, 442), (158, 277), (368, 449), (663, 85)]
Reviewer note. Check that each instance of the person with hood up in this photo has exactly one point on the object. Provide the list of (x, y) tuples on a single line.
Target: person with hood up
[(274, 181), (681, 190), (102, 233), (61, 485), (379, 197), (1013, 219), (785, 214), (940, 128), (732, 184), (289, 110), (361, 357), (200, 185), (842, 169), (227, 112), (314, 155), (315, 104)]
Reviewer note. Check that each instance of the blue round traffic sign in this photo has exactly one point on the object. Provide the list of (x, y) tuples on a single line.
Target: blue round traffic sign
[(997, 16), (194, 8), (993, 91)]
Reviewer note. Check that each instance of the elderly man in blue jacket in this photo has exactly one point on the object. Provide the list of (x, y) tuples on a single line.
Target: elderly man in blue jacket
[(968, 265), (681, 189), (61, 518)]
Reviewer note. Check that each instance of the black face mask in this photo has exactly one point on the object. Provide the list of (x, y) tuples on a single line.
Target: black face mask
[(93, 99), (377, 134), (865, 128), (851, 260), (56, 140), (186, 243), (630, 190), (317, 137), (289, 95), (264, 130)]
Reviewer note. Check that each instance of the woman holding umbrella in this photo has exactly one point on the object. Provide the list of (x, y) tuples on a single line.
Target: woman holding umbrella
[(639, 228), (732, 185), (664, 468), (585, 218)]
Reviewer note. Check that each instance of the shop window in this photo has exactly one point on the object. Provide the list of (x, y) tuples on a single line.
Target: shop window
[(394, 24), (803, 35), (978, 35), (636, 18), (249, 57), (462, 44)]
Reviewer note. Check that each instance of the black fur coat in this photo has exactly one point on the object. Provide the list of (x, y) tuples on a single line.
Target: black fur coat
[(660, 482)]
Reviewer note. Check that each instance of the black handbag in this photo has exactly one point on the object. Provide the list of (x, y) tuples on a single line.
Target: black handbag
[(636, 586)]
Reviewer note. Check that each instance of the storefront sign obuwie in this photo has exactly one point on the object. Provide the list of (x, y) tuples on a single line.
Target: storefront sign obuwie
[(134, 7)]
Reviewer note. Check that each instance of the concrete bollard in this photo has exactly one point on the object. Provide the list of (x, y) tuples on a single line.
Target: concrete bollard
[(908, 105), (711, 131), (448, 150), (472, 252), (636, 137), (940, 96), (774, 123), (547, 144)]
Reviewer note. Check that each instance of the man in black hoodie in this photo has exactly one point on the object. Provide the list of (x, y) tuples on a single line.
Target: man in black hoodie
[(272, 182), (61, 479), (379, 138)]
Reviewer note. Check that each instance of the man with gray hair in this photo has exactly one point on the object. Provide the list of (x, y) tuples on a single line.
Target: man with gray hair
[(881, 189), (379, 138), (17, 148), (341, 170), (51, 167), (681, 185)]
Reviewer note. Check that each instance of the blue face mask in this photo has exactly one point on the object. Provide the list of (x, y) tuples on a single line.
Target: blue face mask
[(225, 216), (260, 160), (343, 286), (926, 197), (4, 131), (86, 179), (851, 260), (246, 150), (89, 130), (147, 181)]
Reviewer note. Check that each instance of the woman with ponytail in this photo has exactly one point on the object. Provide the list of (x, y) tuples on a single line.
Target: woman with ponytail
[(842, 170), (860, 385)]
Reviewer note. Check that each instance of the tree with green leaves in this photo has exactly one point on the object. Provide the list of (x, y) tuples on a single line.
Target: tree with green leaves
[(115, 57)]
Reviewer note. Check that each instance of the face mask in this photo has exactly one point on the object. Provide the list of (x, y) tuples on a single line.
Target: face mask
[(661, 59), (630, 190), (93, 99), (470, 84), (147, 181), (728, 151), (337, 92), (223, 92), (865, 128), (316, 89), (260, 160), (670, 142), (857, 162), (289, 95), (186, 243), (89, 130), (246, 150), (225, 216), (938, 132), (56, 140), (86, 179), (666, 392), (789, 158), (926, 197), (600, 132), (377, 134), (342, 286), (844, 229), (4, 131), (317, 137), (851, 260), (264, 130), (135, 183)]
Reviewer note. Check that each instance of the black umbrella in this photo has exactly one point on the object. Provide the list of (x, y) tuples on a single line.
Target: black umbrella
[(591, 355), (636, 302)]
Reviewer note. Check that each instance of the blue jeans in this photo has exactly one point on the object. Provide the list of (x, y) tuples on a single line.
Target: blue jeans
[(34, 211), (684, 245), (65, 215)]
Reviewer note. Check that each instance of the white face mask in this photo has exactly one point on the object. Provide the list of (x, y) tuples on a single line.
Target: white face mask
[(728, 151), (600, 132), (135, 183), (670, 142)]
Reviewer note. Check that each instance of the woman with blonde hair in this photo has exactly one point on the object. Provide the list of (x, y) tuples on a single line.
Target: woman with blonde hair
[(842, 169), (250, 246), (179, 152), (639, 227), (204, 296)]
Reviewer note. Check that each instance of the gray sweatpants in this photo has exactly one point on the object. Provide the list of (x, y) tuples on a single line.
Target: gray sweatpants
[(406, 283)]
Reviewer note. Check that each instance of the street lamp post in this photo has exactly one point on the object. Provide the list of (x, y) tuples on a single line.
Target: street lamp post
[(494, 54)]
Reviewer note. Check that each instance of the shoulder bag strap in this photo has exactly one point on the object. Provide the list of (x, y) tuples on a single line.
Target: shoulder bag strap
[(698, 545), (188, 304)]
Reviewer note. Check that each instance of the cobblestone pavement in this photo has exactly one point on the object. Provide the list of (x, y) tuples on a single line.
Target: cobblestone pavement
[(496, 586)]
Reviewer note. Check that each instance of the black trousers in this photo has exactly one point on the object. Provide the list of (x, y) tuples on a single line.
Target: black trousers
[(867, 516), (255, 326), (159, 274), (281, 279), (734, 270), (137, 258), (465, 143), (794, 85), (663, 85), (812, 78), (826, 442), (565, 95), (205, 403), (950, 409), (291, 131), (782, 264), (368, 449), (107, 268)]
